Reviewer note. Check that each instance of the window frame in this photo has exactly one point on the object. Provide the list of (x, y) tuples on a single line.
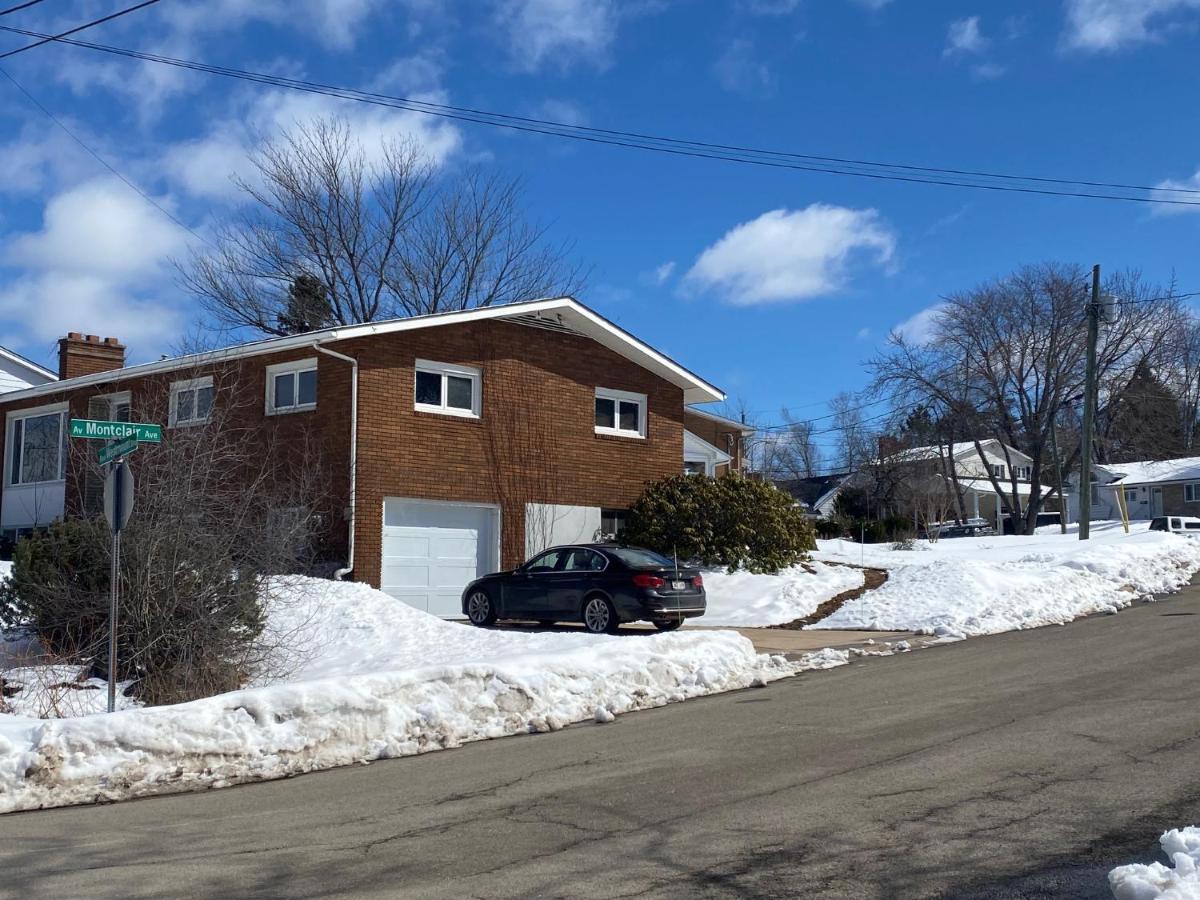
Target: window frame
[(444, 371), (618, 397), (295, 367), (998, 470), (194, 385), (1191, 488), (62, 410)]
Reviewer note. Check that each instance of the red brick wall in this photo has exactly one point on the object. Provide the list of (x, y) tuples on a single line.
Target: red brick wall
[(80, 355), (534, 441)]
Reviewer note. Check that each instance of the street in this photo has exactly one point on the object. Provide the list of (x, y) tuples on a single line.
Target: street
[(1020, 765)]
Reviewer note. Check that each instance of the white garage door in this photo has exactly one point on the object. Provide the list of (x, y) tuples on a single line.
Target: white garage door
[(431, 550)]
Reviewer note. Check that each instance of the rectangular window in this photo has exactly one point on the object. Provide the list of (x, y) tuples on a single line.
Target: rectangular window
[(291, 387), (612, 522), (451, 390), (1023, 473), (694, 468), (1131, 495), (998, 471), (38, 448), (1191, 492), (191, 401), (620, 413)]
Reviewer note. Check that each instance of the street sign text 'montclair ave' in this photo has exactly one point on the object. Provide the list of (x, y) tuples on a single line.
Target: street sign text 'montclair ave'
[(115, 431)]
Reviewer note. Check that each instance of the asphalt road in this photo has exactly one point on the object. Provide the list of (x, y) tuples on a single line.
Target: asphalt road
[(1021, 765)]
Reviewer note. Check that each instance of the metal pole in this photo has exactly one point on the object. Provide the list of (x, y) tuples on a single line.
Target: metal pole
[(114, 586), (1089, 410)]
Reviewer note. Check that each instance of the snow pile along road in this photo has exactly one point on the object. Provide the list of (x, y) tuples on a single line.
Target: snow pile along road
[(1178, 881), (743, 599), (970, 586), (369, 679)]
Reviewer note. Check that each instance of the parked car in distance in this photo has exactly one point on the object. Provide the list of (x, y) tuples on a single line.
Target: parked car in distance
[(600, 585), (969, 529), (1176, 524)]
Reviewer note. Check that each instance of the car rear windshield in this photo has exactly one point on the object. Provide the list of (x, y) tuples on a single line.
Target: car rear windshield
[(637, 558)]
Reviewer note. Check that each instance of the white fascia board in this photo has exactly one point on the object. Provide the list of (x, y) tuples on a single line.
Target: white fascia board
[(580, 318), (700, 447)]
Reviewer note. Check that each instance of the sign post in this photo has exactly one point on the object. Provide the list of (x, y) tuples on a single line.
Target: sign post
[(123, 438), (118, 504)]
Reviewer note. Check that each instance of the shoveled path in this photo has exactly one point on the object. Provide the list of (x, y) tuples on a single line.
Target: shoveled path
[(1021, 765)]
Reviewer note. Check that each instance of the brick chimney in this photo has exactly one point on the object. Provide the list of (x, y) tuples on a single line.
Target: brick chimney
[(80, 354)]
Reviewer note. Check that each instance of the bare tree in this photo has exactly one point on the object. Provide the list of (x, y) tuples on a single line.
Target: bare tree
[(855, 440), (1007, 358), (334, 235)]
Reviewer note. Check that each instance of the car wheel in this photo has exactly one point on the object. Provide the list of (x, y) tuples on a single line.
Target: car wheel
[(668, 626), (479, 608), (599, 617)]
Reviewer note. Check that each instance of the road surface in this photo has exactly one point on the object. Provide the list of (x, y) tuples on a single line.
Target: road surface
[(1020, 765)]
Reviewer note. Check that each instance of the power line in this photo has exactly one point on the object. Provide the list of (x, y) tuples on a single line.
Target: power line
[(19, 7), (96, 156), (55, 37), (658, 144)]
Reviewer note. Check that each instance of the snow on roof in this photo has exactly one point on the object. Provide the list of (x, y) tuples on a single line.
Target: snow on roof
[(1155, 471)]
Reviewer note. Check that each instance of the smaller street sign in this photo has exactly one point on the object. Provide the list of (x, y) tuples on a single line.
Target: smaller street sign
[(97, 430), (116, 451)]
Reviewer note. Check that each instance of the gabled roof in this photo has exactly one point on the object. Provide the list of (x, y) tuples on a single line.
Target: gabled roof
[(16, 358), (1156, 471), (720, 420), (956, 451), (563, 314)]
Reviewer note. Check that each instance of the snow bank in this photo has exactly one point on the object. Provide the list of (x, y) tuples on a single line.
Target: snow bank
[(746, 599), (369, 679), (1179, 881), (971, 586)]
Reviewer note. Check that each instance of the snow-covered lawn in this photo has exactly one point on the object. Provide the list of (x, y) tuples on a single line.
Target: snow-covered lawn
[(368, 678), (1178, 881), (744, 599), (969, 586)]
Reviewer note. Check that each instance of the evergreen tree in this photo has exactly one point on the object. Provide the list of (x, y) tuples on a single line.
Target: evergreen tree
[(1145, 421), (307, 306)]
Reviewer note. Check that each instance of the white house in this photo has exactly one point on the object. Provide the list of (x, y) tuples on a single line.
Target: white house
[(1150, 488), (18, 373)]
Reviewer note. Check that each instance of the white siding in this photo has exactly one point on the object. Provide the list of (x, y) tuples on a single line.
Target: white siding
[(548, 524)]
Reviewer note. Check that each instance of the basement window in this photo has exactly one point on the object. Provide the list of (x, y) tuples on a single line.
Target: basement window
[(447, 389), (620, 413)]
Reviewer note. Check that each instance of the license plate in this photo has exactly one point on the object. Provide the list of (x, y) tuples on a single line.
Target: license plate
[(679, 585)]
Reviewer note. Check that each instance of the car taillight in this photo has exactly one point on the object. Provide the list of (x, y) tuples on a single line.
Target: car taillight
[(698, 581), (644, 580)]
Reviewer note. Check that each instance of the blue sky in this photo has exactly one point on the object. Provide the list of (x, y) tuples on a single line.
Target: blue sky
[(776, 285)]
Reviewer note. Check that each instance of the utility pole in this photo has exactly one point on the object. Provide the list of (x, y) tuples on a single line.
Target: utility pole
[(1062, 497), (1089, 410)]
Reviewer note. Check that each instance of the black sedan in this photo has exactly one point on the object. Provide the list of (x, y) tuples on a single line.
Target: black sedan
[(601, 585)]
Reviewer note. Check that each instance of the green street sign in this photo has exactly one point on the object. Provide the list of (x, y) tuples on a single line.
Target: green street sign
[(116, 451), (96, 430)]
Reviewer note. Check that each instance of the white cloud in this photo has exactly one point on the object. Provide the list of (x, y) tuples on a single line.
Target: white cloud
[(789, 255), (771, 7), (1096, 25), (100, 263), (563, 111), (988, 71), (205, 167), (557, 32), (872, 4), (863, 334), (739, 69), (964, 36), (1176, 184), (918, 328)]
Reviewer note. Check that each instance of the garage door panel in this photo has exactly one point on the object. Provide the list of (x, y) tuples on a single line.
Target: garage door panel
[(432, 550)]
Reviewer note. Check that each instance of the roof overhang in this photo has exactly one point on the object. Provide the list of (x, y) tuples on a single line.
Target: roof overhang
[(733, 424), (559, 314), (38, 373)]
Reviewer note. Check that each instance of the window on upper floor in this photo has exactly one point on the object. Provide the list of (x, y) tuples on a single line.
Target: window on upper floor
[(998, 470), (37, 447), (620, 413), (292, 386), (447, 389), (1023, 473), (191, 401)]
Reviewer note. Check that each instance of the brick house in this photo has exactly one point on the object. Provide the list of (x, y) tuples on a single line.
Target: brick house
[(429, 424)]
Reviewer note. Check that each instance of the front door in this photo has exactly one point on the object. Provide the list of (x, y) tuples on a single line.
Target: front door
[(1156, 502)]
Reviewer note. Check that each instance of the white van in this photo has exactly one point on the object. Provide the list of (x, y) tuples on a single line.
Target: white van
[(1176, 524)]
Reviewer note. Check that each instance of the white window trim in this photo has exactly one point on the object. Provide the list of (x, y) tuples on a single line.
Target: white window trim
[(1192, 488), (62, 409), (296, 366), (444, 369), (178, 387), (628, 397)]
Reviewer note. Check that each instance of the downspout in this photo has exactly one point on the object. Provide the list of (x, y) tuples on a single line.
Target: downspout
[(349, 567)]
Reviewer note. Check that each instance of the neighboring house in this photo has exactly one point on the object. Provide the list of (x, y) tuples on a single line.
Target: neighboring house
[(428, 423), (972, 473), (17, 372), (1151, 488), (817, 494), (713, 444)]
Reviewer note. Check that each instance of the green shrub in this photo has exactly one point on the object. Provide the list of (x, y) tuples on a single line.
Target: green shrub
[(728, 521)]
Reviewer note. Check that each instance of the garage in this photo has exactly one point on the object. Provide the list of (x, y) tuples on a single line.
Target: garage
[(432, 549)]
